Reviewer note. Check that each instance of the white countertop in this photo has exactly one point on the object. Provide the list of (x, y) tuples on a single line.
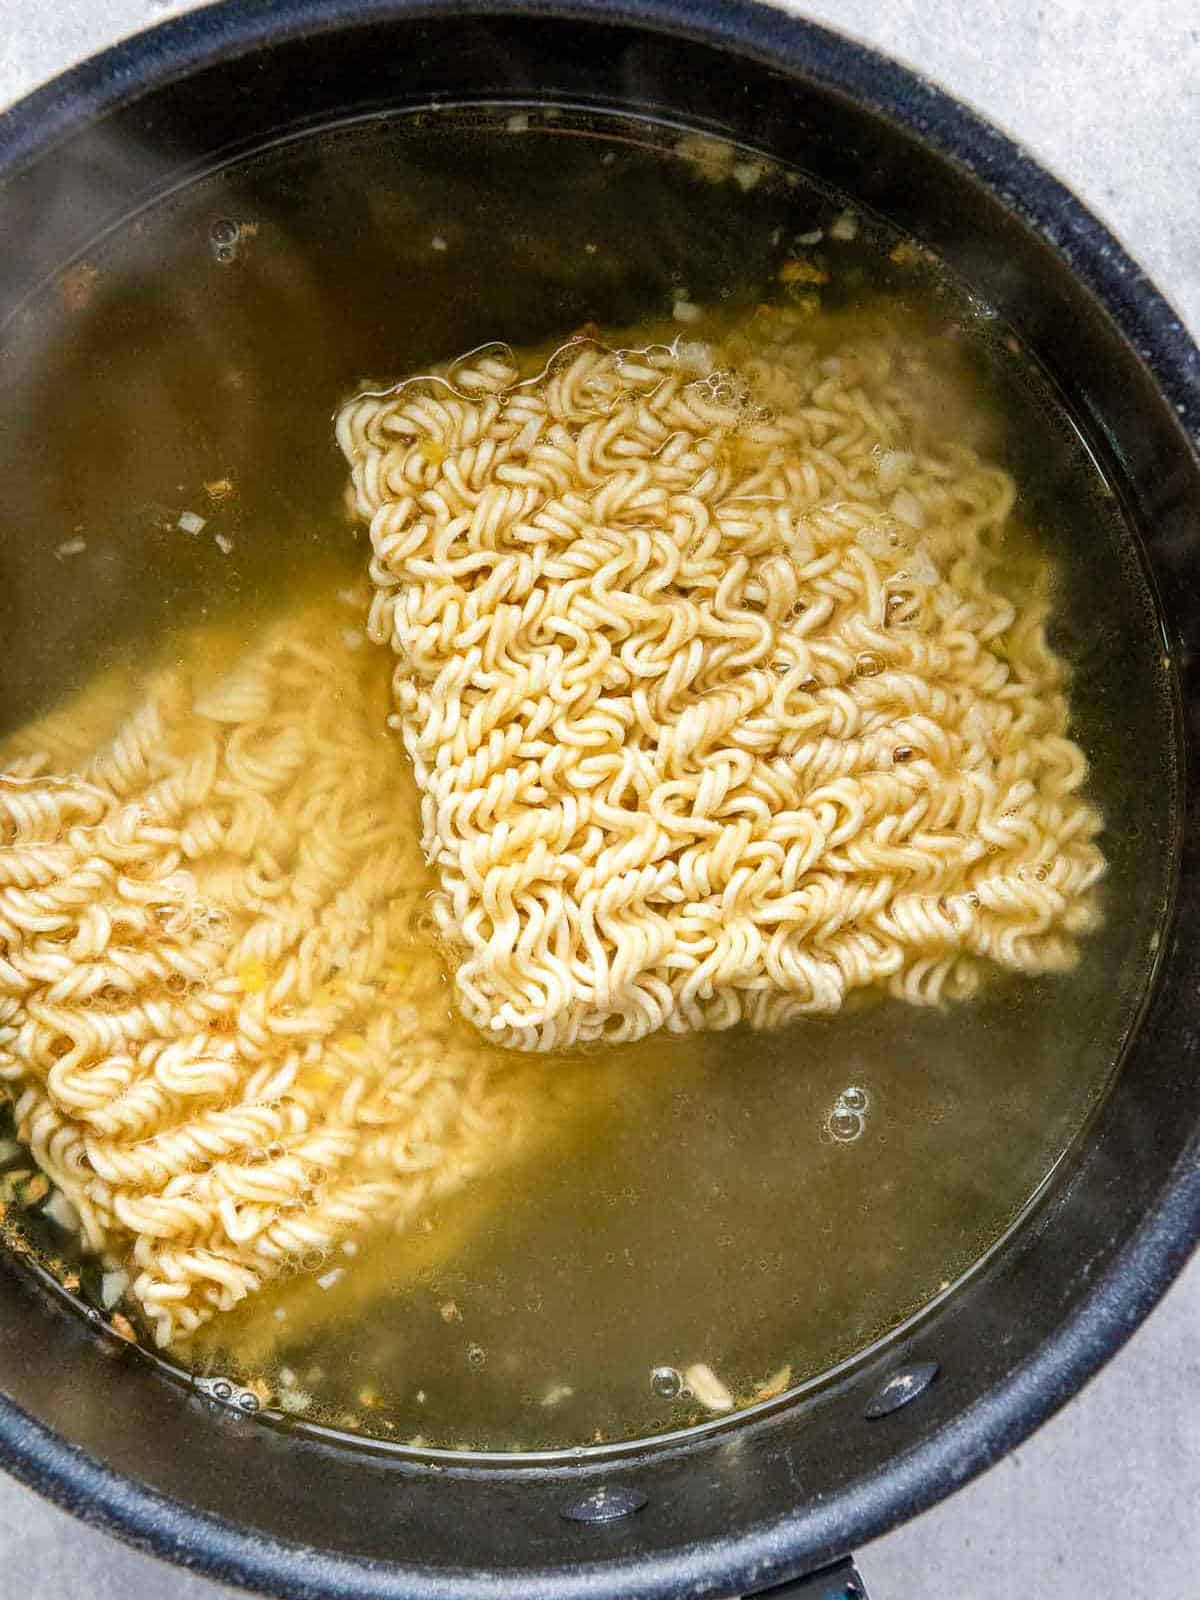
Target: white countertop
[(1102, 1503)]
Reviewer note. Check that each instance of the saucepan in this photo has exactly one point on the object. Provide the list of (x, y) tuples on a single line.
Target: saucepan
[(783, 1497)]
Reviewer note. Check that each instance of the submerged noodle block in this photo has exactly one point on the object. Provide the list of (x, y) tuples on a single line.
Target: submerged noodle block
[(222, 1019), (722, 700)]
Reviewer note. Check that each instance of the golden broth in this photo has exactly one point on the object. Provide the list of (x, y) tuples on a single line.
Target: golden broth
[(762, 1205)]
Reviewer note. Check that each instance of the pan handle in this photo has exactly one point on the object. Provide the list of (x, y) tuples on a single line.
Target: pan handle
[(838, 1582)]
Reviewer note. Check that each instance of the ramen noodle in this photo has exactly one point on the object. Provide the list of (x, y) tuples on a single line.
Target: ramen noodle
[(719, 702), (222, 1019)]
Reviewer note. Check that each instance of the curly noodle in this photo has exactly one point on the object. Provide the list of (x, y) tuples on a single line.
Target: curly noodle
[(223, 1022), (717, 704)]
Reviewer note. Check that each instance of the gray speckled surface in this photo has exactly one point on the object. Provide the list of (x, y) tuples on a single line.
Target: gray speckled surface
[(1103, 1501)]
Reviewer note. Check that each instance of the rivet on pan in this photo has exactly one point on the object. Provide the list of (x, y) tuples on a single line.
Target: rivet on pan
[(605, 1504), (904, 1385)]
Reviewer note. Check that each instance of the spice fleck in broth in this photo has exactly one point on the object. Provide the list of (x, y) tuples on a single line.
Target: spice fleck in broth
[(325, 1139)]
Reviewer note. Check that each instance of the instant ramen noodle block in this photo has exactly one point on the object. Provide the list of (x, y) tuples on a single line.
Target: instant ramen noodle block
[(223, 1023), (725, 692)]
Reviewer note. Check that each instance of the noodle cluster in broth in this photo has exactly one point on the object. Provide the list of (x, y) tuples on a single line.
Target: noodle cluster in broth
[(224, 1024), (716, 700)]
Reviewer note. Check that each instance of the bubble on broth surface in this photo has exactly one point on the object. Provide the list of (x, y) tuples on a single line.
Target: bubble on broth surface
[(845, 1125), (666, 1383)]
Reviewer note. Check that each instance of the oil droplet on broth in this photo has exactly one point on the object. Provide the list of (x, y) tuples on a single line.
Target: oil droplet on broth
[(741, 1164)]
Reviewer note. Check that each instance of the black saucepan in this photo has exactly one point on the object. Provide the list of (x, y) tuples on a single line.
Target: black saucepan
[(781, 1496)]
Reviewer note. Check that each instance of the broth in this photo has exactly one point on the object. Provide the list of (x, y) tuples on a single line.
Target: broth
[(764, 1205)]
